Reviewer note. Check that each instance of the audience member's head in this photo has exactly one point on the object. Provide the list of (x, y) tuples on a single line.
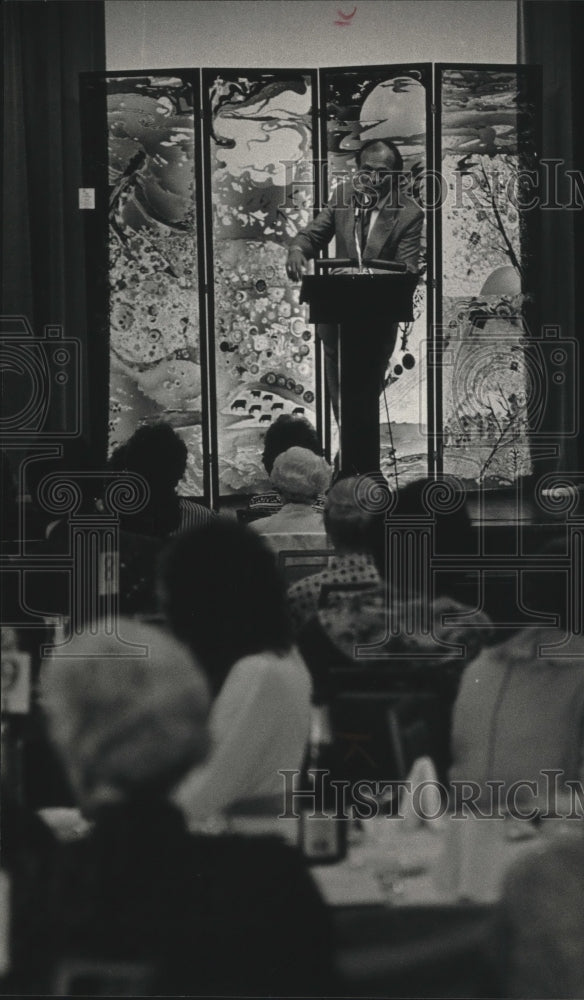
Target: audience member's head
[(288, 432), (158, 453), (127, 726), (350, 526), (440, 501), (438, 504), (222, 594), (299, 475)]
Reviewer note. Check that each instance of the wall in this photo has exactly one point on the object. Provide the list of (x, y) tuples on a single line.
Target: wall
[(156, 34)]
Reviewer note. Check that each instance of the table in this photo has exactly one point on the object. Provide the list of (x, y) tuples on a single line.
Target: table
[(388, 863), (413, 906), (394, 862), (397, 930)]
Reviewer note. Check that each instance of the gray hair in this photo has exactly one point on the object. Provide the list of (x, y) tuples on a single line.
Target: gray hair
[(348, 524), (125, 725), (300, 475)]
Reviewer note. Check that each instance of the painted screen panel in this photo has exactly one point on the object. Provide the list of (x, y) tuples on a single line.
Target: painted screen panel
[(259, 146), (155, 341), (391, 102), (488, 129)]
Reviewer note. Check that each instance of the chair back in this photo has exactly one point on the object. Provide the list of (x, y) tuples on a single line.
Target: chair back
[(297, 563), (417, 951), (380, 733), (101, 978)]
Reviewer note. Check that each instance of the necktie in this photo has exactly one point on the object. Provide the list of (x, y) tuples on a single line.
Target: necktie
[(362, 222), (365, 223)]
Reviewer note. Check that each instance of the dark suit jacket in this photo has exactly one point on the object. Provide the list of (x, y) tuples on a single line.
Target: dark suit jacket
[(395, 236)]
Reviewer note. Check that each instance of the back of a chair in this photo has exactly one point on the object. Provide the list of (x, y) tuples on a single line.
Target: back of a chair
[(247, 516), (78, 977), (387, 709), (381, 733), (297, 563), (416, 951)]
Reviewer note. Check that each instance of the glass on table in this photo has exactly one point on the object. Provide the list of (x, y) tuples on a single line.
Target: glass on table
[(387, 848)]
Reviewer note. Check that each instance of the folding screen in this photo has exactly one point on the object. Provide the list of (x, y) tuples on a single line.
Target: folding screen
[(392, 102), (156, 342), (259, 129), (215, 340), (491, 382)]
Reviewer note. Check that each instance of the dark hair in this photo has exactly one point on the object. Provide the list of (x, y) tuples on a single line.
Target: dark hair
[(398, 164), (439, 499), (440, 502), (288, 432), (159, 454), (221, 592)]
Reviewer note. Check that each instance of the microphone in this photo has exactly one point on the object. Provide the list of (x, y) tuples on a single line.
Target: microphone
[(363, 201)]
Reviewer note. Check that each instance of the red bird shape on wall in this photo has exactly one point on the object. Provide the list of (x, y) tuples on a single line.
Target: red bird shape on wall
[(345, 21)]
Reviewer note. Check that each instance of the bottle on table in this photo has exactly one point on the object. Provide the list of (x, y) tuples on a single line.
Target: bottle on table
[(322, 828)]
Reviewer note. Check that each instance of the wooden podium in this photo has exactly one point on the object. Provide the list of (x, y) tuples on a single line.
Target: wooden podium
[(364, 306)]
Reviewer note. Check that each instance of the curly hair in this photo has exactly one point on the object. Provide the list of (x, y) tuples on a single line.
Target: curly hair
[(288, 432), (300, 475), (222, 595), (159, 454)]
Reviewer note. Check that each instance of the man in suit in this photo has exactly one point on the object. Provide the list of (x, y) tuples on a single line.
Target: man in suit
[(372, 219)]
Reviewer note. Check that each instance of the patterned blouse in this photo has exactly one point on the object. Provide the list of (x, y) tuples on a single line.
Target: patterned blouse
[(350, 568), (441, 631)]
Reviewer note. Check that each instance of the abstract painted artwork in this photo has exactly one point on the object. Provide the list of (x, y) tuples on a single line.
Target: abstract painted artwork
[(261, 177), (211, 174), (488, 128), (389, 102), (155, 348)]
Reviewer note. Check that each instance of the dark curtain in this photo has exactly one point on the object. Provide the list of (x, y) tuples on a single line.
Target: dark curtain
[(551, 34), (46, 46)]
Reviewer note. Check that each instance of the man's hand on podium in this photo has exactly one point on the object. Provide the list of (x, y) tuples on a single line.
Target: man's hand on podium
[(296, 263)]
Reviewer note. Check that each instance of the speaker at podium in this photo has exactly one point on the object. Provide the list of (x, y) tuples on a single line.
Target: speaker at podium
[(363, 305)]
